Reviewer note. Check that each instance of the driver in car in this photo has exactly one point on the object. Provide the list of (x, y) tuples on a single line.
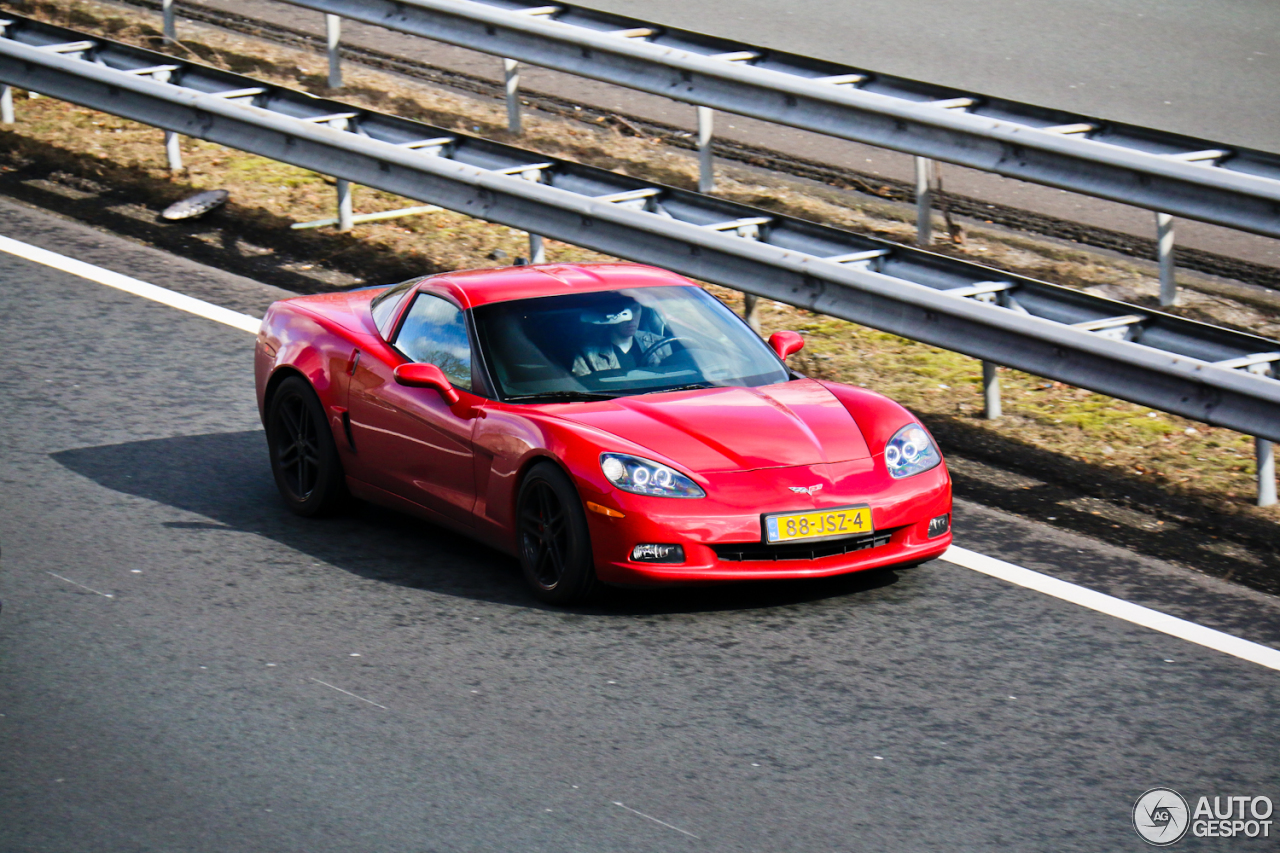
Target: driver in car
[(619, 341)]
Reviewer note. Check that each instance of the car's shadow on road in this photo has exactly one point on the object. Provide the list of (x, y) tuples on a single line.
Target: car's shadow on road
[(225, 478)]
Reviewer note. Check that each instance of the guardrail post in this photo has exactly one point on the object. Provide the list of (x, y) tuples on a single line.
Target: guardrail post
[(1264, 452), (170, 21), (1266, 455), (332, 37), (924, 201), (173, 150), (751, 311), (344, 205), (991, 408), (706, 166), (537, 251), (511, 76), (990, 392), (1164, 253), (6, 105)]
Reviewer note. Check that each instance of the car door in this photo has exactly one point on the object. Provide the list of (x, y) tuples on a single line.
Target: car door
[(409, 440)]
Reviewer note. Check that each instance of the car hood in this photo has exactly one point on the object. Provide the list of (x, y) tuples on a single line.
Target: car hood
[(734, 429)]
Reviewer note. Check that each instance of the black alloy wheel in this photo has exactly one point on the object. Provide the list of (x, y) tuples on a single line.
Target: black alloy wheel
[(299, 450), (304, 459), (555, 545)]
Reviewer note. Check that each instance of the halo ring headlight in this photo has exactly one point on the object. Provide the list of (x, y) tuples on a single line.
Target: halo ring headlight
[(642, 476), (910, 452)]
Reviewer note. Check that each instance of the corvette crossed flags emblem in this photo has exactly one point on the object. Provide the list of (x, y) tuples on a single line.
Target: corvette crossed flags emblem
[(805, 490)]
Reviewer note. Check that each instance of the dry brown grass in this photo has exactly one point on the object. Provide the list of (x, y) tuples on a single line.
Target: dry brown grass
[(1209, 462)]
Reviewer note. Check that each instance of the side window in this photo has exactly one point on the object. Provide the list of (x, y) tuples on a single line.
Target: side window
[(385, 304), (435, 332)]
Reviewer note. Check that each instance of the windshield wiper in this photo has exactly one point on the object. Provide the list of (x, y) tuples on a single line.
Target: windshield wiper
[(692, 386), (560, 397)]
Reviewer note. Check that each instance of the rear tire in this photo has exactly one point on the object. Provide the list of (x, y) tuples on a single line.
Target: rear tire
[(304, 459), (552, 535)]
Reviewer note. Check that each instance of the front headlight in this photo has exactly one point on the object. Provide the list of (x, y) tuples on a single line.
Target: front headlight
[(910, 451), (646, 477)]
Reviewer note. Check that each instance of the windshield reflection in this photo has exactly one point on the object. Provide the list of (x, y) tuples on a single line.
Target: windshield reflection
[(590, 346)]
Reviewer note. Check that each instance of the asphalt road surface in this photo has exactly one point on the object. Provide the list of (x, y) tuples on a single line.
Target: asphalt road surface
[(1205, 70), (186, 666)]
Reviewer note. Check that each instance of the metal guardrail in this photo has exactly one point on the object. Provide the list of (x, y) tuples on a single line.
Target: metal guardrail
[(1202, 372), (1200, 179)]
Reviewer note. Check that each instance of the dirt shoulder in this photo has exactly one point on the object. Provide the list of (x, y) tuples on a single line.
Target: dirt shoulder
[(1123, 473)]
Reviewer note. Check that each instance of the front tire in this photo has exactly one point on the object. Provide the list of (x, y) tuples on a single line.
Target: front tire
[(554, 543), (304, 459)]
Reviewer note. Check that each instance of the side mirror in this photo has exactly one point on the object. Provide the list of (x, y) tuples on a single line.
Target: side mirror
[(785, 343), (427, 376)]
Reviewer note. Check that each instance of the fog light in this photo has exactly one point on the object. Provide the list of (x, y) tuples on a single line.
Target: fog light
[(654, 553), (939, 526)]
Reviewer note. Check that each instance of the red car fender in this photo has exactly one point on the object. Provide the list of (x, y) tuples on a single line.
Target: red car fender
[(264, 360), (505, 445), (297, 341), (876, 415), (509, 442), (879, 418)]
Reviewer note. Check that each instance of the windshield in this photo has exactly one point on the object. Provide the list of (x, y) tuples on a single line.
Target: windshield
[(584, 346)]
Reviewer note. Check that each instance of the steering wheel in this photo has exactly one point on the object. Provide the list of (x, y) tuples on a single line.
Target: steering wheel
[(684, 341)]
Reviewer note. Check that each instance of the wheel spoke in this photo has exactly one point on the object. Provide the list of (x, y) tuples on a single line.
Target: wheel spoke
[(544, 554), (557, 557), (554, 522), (540, 560), (289, 418), (289, 456), (552, 513), (304, 471), (545, 534)]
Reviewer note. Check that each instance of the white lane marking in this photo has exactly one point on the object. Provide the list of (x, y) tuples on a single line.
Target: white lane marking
[(131, 285), (1121, 609), (655, 820), (82, 586), (352, 695), (1117, 607)]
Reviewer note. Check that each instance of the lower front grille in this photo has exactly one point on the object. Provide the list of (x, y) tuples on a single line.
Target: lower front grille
[(738, 552)]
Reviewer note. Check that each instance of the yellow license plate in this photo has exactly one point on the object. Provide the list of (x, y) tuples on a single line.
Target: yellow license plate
[(818, 524)]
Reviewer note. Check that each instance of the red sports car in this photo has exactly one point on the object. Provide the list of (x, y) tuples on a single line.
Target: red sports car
[(605, 423)]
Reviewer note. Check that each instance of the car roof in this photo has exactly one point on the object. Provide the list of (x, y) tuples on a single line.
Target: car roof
[(472, 288)]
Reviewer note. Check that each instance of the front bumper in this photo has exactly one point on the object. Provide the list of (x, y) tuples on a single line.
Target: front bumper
[(722, 534)]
